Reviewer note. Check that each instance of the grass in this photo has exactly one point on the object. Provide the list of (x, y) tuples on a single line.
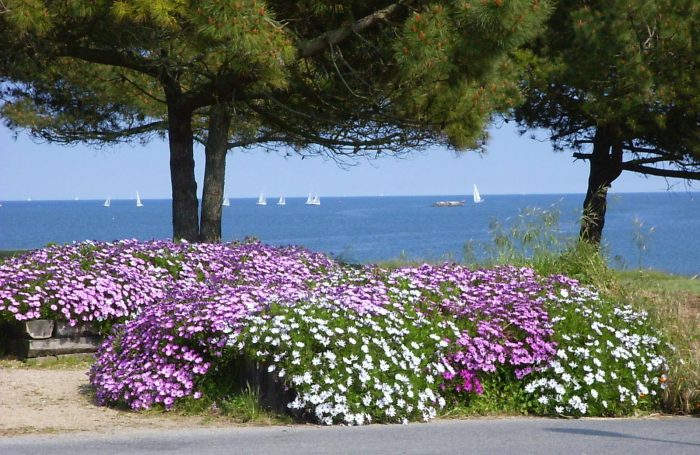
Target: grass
[(652, 280), (59, 362), (5, 254), (243, 406), (674, 303)]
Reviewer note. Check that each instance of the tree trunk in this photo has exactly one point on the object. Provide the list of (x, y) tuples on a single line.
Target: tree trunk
[(214, 174), (605, 167), (182, 180)]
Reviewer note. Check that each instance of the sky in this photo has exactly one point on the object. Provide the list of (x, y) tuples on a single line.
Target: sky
[(512, 164)]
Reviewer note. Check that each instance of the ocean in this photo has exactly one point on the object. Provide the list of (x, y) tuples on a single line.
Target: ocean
[(372, 229)]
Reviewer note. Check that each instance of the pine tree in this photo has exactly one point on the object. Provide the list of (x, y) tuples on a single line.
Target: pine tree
[(345, 79), (624, 78)]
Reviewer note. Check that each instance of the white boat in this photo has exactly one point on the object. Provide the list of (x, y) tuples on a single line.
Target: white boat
[(226, 202), (282, 201), (477, 196), (108, 202), (138, 200), (313, 200), (448, 204), (262, 200)]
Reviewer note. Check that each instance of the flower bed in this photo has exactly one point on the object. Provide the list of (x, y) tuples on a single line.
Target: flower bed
[(351, 344), (112, 282)]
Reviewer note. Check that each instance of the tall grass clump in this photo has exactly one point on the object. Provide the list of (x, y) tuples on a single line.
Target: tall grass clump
[(536, 239)]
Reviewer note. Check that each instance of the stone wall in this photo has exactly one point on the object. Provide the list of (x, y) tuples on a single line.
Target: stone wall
[(43, 337)]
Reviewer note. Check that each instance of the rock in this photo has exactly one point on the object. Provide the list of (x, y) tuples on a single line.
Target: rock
[(54, 346), (37, 329), (63, 329)]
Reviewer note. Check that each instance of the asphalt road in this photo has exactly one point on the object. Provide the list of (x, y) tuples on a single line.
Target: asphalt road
[(671, 435)]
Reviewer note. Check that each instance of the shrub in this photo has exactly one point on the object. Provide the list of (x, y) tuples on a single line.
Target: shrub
[(609, 360), (348, 366), (351, 344)]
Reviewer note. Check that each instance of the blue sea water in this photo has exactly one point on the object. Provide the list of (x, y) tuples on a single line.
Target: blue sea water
[(371, 229)]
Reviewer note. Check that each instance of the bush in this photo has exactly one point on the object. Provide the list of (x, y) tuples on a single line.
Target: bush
[(609, 361), (351, 344)]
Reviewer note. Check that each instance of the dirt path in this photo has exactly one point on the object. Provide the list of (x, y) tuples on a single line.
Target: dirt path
[(48, 400)]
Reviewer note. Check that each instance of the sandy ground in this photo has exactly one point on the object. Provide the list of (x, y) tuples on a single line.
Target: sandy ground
[(34, 400)]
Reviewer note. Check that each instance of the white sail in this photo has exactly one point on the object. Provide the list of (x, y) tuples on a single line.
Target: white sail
[(477, 196), (108, 202), (226, 202), (262, 200), (316, 200), (309, 200), (138, 200), (282, 201)]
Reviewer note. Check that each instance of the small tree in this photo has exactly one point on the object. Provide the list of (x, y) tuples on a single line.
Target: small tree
[(624, 78)]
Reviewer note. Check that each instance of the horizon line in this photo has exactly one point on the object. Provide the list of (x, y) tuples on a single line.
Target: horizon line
[(352, 196)]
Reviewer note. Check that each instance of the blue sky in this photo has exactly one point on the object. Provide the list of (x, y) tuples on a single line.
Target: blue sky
[(513, 164)]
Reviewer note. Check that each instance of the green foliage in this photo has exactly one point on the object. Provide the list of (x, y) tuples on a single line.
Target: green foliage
[(534, 239), (623, 68), (456, 60), (246, 406), (242, 404), (6, 254), (444, 65), (62, 362), (503, 394)]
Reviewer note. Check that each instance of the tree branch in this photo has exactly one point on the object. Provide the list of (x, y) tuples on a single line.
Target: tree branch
[(142, 90), (634, 149), (333, 143), (657, 159), (98, 136), (333, 37), (646, 170), (267, 137), (113, 58)]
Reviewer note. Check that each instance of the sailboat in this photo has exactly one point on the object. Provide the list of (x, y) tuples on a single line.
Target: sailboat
[(262, 200), (108, 202), (309, 200), (138, 200), (282, 201), (226, 202), (316, 200), (477, 196)]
